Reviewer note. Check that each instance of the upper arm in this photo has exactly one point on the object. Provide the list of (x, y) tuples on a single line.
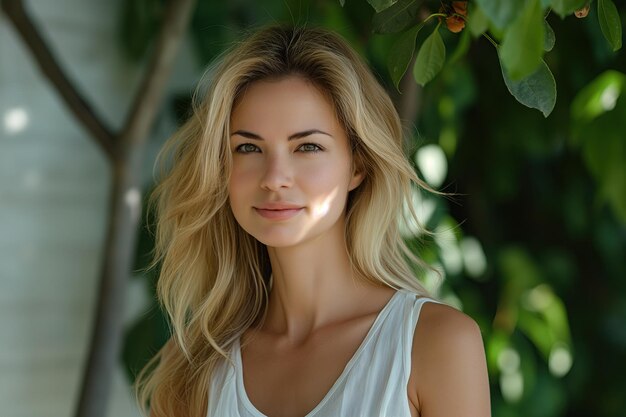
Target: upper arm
[(448, 364)]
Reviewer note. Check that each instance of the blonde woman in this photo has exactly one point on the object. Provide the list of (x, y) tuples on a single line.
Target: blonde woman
[(283, 271)]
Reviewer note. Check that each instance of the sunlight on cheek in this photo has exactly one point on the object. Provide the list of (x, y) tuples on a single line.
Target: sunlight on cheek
[(321, 207)]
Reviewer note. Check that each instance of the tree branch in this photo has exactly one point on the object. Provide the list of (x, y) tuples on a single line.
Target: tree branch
[(14, 10), (125, 211)]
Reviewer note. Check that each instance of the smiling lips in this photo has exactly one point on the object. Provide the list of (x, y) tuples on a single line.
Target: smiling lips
[(278, 211)]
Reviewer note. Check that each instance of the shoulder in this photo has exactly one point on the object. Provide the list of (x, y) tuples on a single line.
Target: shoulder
[(448, 366), (444, 333), (443, 323)]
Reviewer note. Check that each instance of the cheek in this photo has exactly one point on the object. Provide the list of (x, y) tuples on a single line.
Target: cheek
[(327, 186), (331, 173), (238, 187), (242, 172)]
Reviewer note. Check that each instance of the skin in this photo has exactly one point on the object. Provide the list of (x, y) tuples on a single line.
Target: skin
[(319, 312), (307, 294)]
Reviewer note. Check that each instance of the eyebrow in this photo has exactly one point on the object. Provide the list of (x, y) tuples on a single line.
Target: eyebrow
[(297, 135)]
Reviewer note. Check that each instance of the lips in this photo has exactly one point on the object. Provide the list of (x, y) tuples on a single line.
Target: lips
[(278, 206), (278, 211)]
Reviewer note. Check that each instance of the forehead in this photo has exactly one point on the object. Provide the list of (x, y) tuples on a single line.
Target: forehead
[(290, 102)]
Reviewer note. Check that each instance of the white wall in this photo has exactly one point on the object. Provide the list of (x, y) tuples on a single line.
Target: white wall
[(53, 197)]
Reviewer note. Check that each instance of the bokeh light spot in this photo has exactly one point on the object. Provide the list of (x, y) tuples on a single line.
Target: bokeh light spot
[(15, 120), (433, 164), (474, 258), (609, 97), (538, 298), (512, 386), (508, 361), (132, 198), (560, 361)]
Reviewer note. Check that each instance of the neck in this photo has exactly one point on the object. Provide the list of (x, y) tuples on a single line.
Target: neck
[(314, 284)]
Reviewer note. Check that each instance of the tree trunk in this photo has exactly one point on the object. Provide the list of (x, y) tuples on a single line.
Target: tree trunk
[(125, 151)]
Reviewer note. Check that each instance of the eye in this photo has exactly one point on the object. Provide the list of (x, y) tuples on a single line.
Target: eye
[(310, 148), (247, 148)]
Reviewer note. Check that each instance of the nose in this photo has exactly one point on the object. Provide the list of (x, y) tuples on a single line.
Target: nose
[(277, 174)]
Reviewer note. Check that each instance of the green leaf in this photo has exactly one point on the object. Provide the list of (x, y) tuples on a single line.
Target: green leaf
[(598, 97), (501, 12), (477, 21), (537, 330), (401, 55), (598, 127), (494, 346), (537, 91), (379, 5), (430, 58), (397, 17), (522, 46), (549, 39), (566, 7), (342, 3), (610, 23), (605, 155)]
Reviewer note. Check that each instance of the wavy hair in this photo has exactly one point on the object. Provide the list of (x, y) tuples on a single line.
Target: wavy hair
[(214, 278)]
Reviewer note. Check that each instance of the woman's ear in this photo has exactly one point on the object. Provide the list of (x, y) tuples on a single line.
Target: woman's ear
[(358, 173)]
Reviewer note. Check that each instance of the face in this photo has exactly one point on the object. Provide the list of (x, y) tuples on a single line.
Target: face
[(292, 164)]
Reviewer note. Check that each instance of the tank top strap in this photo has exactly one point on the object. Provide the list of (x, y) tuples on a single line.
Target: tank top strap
[(411, 313), (373, 383)]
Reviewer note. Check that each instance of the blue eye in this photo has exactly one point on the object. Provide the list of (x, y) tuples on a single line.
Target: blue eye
[(247, 148), (250, 148), (310, 147)]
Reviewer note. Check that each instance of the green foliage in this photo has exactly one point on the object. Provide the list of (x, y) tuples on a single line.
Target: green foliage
[(430, 58), (537, 91), (597, 98), (539, 194), (566, 7), (143, 340), (397, 17), (549, 40), (138, 25), (380, 5), (402, 54), (477, 21), (599, 115), (500, 12), (521, 26), (610, 23), (522, 46)]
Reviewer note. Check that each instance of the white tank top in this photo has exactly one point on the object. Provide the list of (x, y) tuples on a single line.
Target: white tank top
[(373, 383)]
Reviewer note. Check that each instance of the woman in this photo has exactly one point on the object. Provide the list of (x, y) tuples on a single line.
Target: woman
[(282, 268)]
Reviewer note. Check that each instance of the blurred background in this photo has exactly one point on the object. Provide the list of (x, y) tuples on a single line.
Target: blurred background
[(531, 243)]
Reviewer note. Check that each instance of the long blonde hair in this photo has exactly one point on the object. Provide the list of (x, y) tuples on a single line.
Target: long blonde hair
[(214, 278)]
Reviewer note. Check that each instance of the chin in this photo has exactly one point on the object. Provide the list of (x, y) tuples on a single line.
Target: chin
[(288, 234), (277, 240), (281, 237)]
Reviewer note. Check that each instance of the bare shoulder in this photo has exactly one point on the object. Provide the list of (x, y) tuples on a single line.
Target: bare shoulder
[(448, 366), (443, 323)]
